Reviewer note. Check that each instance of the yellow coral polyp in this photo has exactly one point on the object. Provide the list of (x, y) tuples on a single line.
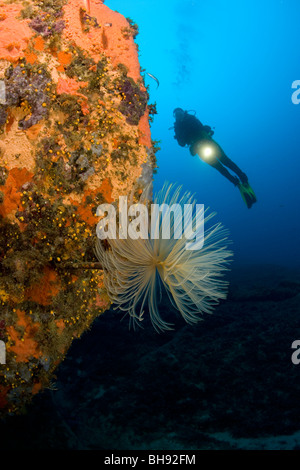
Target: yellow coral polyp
[(38, 196)]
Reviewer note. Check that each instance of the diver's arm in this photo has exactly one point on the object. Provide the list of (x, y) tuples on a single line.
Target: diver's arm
[(179, 136)]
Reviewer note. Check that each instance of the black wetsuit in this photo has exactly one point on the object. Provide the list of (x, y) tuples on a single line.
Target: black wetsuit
[(190, 131)]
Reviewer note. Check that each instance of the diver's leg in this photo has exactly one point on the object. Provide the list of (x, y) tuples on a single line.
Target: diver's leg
[(218, 166), (232, 166), (221, 155), (214, 160)]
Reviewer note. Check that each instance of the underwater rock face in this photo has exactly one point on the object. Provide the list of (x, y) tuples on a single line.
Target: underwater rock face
[(74, 133)]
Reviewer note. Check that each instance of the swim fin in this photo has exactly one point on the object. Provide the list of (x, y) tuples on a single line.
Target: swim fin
[(247, 194)]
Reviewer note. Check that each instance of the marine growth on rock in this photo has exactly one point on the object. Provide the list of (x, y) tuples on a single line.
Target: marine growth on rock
[(74, 133)]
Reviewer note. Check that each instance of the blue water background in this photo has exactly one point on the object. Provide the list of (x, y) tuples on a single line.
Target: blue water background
[(234, 63)]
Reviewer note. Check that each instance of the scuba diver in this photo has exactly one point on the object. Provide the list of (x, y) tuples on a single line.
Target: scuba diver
[(189, 131)]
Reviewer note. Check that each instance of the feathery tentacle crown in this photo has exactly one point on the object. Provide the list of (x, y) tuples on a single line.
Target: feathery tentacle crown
[(138, 271)]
